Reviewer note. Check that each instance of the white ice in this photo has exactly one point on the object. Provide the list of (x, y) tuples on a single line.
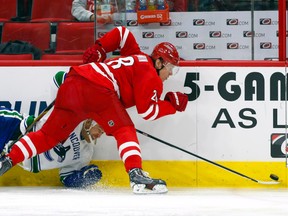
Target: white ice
[(47, 201)]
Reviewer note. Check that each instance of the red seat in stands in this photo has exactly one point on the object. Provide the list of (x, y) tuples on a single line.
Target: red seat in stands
[(62, 57), (28, 56), (8, 9), (74, 37), (51, 10), (38, 34)]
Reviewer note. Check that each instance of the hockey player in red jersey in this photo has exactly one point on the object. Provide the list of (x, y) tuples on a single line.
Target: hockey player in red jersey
[(103, 92)]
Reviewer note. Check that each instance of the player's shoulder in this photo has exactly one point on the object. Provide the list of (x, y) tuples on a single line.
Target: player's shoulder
[(143, 59)]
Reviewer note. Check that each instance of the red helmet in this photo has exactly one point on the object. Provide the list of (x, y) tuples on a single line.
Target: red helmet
[(167, 52)]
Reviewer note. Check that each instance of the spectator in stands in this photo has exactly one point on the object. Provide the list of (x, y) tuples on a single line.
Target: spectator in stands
[(83, 10)]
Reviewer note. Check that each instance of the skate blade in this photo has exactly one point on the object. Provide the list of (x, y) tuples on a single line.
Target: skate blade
[(157, 189)]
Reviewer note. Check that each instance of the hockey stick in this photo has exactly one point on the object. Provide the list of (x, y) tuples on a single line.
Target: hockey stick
[(30, 127), (209, 161)]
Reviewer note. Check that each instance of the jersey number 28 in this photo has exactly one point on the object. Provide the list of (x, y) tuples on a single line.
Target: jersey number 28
[(117, 63)]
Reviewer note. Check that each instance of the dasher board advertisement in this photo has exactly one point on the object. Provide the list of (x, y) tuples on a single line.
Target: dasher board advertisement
[(233, 113)]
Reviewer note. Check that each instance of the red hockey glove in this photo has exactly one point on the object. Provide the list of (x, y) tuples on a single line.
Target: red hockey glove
[(177, 99), (95, 53)]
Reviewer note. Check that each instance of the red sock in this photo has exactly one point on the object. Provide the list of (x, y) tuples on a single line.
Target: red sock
[(128, 147), (30, 145)]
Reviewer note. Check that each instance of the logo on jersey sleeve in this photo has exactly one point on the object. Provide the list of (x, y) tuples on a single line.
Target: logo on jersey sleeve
[(154, 97), (142, 58)]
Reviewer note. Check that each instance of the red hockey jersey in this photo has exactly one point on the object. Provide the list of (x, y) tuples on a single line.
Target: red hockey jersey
[(132, 75)]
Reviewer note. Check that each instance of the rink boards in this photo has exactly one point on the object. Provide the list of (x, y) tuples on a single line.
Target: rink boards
[(175, 173), (236, 116)]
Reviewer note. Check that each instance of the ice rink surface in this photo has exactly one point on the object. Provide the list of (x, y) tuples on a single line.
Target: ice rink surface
[(40, 201)]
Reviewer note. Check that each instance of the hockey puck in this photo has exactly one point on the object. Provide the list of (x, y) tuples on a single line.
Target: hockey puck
[(274, 177)]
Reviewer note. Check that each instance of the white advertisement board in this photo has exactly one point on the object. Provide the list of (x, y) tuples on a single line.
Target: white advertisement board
[(233, 114)]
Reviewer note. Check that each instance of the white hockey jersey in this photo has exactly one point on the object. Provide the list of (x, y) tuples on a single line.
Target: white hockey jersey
[(76, 154)]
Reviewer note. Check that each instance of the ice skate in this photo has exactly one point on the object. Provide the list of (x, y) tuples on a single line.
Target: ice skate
[(5, 165), (141, 183)]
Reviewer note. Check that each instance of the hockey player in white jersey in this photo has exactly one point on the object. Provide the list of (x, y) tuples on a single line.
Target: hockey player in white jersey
[(72, 157)]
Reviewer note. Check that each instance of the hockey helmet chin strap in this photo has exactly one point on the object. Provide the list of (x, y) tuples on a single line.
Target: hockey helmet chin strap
[(173, 69)]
